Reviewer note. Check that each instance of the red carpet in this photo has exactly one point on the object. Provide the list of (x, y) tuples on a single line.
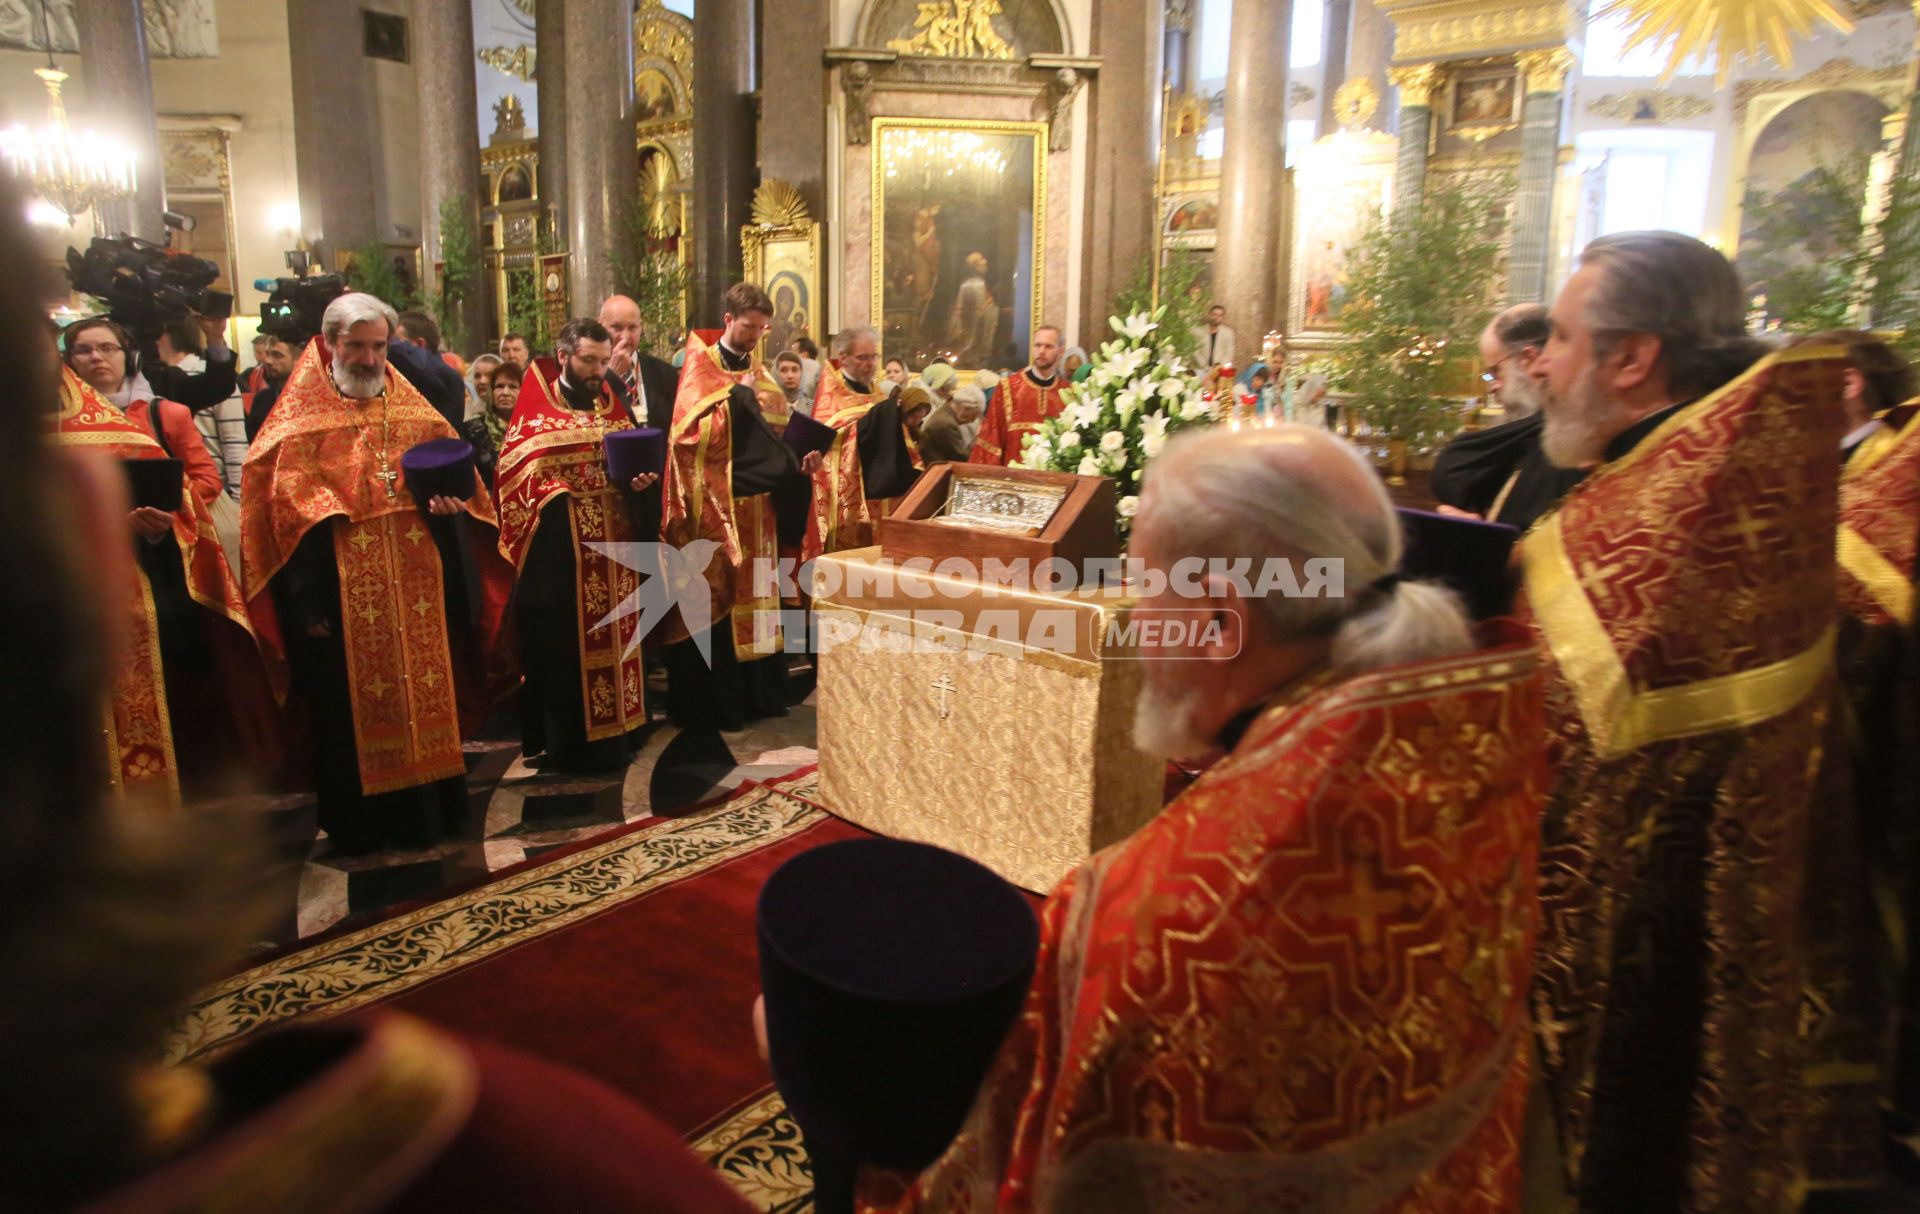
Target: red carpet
[(632, 959)]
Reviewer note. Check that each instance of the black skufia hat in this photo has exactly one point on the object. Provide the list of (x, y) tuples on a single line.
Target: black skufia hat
[(1468, 555), (807, 435), (891, 971), (155, 482), (439, 467), (631, 453)]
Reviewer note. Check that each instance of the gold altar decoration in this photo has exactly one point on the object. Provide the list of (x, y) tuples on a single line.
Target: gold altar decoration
[(1461, 29), (1725, 29), (1417, 85), (955, 29), (1355, 102), (939, 722), (518, 62), (780, 250), (1544, 71)]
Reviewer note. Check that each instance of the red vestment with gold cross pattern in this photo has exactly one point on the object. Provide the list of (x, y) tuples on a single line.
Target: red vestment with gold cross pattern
[(1302, 986)]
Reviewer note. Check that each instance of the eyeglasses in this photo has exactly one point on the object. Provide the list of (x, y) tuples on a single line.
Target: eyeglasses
[(104, 351)]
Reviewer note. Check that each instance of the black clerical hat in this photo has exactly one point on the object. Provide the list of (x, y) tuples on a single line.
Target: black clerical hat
[(439, 467), (155, 482), (805, 435), (631, 453), (891, 970), (1467, 554)]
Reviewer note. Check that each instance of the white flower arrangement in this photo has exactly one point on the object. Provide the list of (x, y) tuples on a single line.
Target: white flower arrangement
[(1138, 393)]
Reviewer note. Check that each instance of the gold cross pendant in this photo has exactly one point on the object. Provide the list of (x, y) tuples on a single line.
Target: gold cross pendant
[(387, 479)]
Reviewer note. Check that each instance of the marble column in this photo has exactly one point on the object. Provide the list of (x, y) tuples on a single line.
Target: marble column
[(725, 51), (550, 97), (1174, 50), (793, 100), (1545, 76), (603, 166), (1250, 263), (1123, 135), (1369, 51), (1333, 61), (1417, 86), (113, 60), (444, 85), (334, 141)]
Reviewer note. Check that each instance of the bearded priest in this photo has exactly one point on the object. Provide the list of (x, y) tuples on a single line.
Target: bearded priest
[(874, 458), (585, 690), (386, 629), (1021, 402), (1701, 1026), (1303, 985), (733, 483)]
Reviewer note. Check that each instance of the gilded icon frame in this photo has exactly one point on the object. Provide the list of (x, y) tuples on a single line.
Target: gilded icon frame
[(786, 257), (1036, 133)]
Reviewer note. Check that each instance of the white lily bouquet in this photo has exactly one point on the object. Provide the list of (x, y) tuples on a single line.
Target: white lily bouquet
[(1118, 418)]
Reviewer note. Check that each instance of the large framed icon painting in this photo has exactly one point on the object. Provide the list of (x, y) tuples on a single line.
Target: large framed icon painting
[(958, 239)]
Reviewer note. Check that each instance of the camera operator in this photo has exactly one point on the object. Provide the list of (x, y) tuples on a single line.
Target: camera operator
[(196, 390)]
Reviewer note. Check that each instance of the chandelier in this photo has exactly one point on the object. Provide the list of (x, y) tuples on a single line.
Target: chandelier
[(71, 170)]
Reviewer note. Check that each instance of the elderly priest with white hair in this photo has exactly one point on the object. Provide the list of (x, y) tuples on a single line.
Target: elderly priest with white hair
[(385, 624), (1303, 984)]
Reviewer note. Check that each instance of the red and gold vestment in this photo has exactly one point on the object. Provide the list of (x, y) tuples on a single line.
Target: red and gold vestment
[(322, 458), (1684, 595), (1303, 985), (700, 503), (551, 451), (1018, 407), (842, 517), (139, 727)]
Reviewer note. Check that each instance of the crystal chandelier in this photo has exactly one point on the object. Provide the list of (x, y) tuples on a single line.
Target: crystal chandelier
[(71, 170)]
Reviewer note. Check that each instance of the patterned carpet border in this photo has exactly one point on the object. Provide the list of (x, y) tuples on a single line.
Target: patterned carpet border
[(758, 1149), (395, 955)]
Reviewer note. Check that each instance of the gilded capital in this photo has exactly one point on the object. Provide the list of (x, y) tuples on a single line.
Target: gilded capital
[(1417, 84), (1545, 71)]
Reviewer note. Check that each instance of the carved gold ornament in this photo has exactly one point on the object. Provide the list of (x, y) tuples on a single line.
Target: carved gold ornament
[(777, 204), (1417, 85), (1725, 29), (955, 29), (657, 197), (1649, 106), (1355, 102), (518, 62), (1544, 71)]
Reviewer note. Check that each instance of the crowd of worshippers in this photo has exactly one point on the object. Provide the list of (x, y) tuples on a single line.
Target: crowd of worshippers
[(1600, 898)]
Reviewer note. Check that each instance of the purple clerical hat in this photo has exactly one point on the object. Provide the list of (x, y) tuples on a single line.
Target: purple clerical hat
[(636, 452), (1465, 553), (439, 467), (155, 482), (805, 435)]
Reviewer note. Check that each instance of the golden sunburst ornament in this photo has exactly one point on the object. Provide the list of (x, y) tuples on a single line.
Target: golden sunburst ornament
[(777, 204), (1725, 29)]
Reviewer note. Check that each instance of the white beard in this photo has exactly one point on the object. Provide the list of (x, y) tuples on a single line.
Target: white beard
[(1519, 395), (357, 383), (1163, 722)]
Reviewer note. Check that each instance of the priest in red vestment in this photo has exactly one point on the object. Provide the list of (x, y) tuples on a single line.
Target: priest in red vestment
[(874, 459), (732, 482), (1694, 997), (1303, 985), (193, 700), (387, 640), (1021, 402), (585, 691)]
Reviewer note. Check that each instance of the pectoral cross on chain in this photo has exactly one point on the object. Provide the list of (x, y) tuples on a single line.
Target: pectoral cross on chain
[(386, 479), (942, 686)]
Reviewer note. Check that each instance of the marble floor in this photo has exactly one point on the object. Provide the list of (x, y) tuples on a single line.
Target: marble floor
[(516, 813)]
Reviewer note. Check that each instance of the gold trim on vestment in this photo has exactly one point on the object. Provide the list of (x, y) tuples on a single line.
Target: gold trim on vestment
[(1889, 587), (1620, 719), (1883, 442)]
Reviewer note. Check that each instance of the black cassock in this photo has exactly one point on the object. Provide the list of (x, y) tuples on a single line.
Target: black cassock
[(307, 591), (730, 693), (1474, 470)]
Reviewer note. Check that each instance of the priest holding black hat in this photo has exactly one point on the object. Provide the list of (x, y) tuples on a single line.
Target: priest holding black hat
[(585, 692)]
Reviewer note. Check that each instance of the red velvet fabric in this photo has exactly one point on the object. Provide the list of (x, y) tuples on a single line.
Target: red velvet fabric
[(654, 997)]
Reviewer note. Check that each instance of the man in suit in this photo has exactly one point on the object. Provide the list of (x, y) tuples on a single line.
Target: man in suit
[(644, 382)]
